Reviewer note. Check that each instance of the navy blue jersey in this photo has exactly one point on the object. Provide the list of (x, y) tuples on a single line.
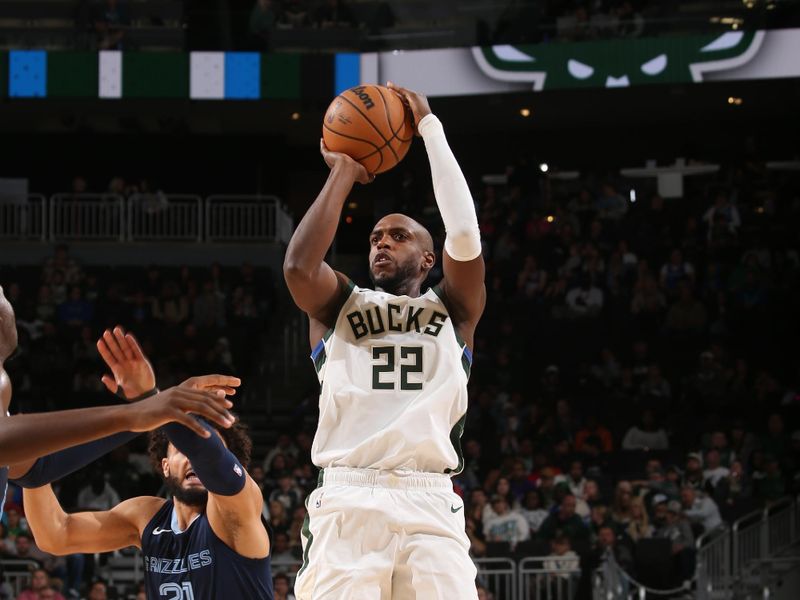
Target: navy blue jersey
[(196, 565)]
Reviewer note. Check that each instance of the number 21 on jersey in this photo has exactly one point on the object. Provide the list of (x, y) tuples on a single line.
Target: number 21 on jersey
[(385, 372), (176, 591)]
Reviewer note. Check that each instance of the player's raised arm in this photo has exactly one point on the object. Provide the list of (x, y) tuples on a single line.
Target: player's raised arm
[(464, 269), (60, 533), (314, 285)]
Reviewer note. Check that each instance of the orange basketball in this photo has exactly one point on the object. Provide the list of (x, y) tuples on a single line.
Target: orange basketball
[(371, 124)]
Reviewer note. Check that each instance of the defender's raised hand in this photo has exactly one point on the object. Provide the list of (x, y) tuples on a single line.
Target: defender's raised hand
[(178, 404), (130, 370)]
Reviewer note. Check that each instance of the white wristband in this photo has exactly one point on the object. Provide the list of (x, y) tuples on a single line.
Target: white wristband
[(463, 241)]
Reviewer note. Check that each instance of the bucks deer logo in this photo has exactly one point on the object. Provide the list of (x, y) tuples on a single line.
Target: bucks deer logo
[(619, 63)]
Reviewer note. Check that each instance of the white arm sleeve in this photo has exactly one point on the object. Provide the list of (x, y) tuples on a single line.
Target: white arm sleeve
[(463, 241)]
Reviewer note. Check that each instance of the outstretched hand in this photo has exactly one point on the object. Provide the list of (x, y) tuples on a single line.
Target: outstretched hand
[(130, 369), (332, 159), (225, 384), (416, 102)]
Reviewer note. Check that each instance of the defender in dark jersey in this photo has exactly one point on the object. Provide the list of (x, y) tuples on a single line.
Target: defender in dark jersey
[(37, 449), (207, 543)]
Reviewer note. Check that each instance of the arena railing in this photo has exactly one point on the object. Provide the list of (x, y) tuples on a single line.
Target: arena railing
[(499, 576), (96, 217), (23, 217), (238, 218), (18, 579), (545, 578), (714, 579), (159, 216), (145, 217)]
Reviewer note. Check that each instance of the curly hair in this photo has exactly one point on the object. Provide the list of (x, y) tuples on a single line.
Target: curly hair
[(235, 437)]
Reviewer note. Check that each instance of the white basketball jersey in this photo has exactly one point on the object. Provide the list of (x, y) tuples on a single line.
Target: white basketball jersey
[(393, 372)]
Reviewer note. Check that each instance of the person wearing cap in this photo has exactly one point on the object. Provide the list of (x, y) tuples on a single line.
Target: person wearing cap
[(700, 509), (671, 524), (693, 475)]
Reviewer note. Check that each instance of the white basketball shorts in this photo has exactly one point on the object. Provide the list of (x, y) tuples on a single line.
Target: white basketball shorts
[(385, 535)]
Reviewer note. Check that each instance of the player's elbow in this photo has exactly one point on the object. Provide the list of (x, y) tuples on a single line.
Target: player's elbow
[(294, 269)]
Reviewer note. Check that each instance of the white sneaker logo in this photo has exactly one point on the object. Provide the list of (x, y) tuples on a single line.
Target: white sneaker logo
[(159, 531)]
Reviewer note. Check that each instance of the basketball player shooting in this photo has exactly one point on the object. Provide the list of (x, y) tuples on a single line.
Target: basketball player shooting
[(393, 363), (41, 448), (208, 542)]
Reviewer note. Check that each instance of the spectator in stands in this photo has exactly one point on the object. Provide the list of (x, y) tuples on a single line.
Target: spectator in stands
[(287, 493), (281, 587), (694, 475), (687, 317), (334, 13), (584, 300), (593, 430), (264, 18), (40, 582), (610, 205), (283, 446), (565, 521), (519, 481), (655, 390), (532, 280), (723, 221), (110, 21), (98, 591), (98, 495), (675, 272), (171, 308), (775, 441), (700, 509), (772, 486), (563, 559), (75, 312), (576, 480), (639, 525), (15, 523), (278, 516), (294, 14), (63, 263), (671, 525), (26, 549), (209, 309), (533, 510), (621, 511), (646, 436), (714, 471), (719, 441), (507, 526), (282, 559), (734, 490)]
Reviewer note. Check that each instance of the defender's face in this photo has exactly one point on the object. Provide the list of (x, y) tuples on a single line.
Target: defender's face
[(177, 465)]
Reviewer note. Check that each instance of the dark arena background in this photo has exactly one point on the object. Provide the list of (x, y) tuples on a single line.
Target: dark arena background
[(633, 426)]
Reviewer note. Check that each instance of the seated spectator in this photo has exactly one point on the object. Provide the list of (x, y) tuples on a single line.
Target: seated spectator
[(719, 442), (611, 206), (639, 525), (713, 471), (607, 371), (675, 272), (40, 587), (334, 13), (562, 559), (621, 511), (655, 388), (564, 522), (278, 517), (519, 481), (209, 309), (593, 429), (282, 559), (63, 263), (694, 475), (772, 486), (585, 300), (734, 489), (281, 587), (576, 480), (671, 524), (98, 591), (171, 307), (506, 525), (647, 435), (75, 312), (287, 493), (533, 510), (532, 279), (591, 493), (723, 220), (700, 509), (98, 495), (687, 316)]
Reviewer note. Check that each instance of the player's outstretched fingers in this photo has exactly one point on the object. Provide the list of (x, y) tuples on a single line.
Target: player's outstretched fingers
[(105, 353), (210, 406), (110, 383), (113, 346), (119, 336), (226, 383)]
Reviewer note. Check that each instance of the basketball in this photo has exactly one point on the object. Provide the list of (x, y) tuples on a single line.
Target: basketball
[(371, 124)]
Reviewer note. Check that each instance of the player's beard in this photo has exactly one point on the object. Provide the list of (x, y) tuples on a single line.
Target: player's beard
[(399, 283), (190, 497)]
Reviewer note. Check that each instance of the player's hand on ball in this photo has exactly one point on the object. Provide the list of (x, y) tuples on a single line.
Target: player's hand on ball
[(332, 159), (418, 103), (178, 404), (130, 369), (226, 384)]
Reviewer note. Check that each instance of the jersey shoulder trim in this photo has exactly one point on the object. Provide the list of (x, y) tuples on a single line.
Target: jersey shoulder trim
[(466, 353)]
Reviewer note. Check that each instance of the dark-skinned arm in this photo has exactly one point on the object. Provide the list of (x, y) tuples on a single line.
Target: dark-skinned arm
[(315, 287)]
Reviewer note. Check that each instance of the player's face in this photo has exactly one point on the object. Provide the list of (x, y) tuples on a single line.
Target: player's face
[(397, 253)]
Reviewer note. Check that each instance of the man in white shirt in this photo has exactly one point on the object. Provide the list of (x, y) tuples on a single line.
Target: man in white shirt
[(700, 509), (507, 526), (714, 470)]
